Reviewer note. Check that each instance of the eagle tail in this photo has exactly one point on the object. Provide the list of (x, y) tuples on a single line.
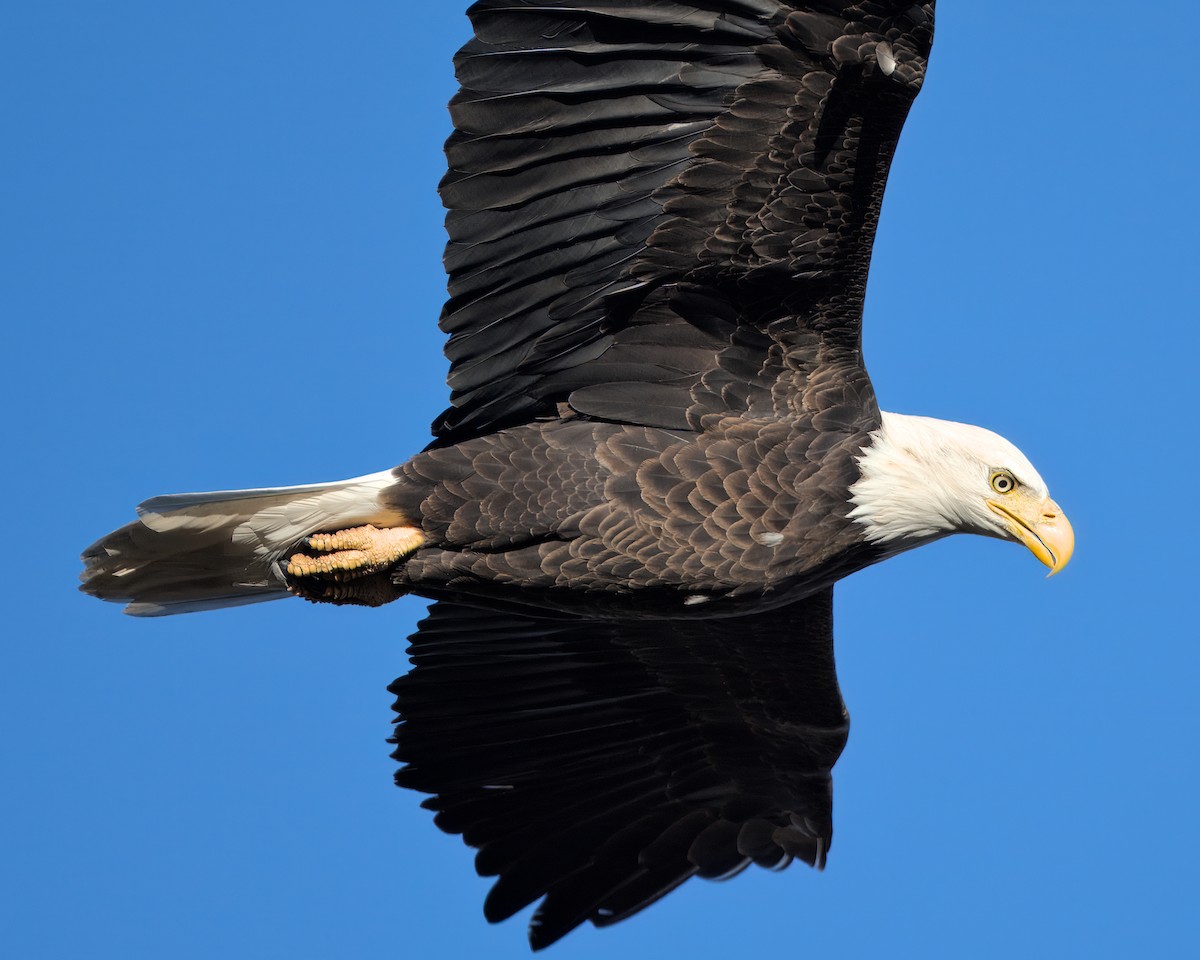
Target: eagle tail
[(203, 551)]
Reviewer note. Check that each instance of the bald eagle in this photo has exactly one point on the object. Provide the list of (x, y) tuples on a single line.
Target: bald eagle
[(662, 449)]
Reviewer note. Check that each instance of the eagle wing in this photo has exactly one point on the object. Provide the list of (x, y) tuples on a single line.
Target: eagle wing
[(598, 764), (655, 206)]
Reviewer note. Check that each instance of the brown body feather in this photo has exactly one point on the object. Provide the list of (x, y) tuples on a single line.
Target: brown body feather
[(750, 510)]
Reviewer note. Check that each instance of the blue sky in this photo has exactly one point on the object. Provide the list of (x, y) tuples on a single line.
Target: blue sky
[(221, 268)]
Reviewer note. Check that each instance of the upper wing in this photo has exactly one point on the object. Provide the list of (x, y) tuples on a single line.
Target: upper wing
[(633, 181), (600, 763)]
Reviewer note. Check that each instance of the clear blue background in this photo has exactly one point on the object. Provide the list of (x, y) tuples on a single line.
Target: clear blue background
[(221, 245)]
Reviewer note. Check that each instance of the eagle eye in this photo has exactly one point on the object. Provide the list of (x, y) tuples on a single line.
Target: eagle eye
[(1003, 481)]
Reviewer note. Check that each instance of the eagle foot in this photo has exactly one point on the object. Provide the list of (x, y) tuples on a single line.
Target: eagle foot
[(335, 567)]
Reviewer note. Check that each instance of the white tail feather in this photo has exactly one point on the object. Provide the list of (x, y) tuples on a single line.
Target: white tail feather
[(202, 551)]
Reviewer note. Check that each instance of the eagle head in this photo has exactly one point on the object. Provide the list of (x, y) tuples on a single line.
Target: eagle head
[(921, 479)]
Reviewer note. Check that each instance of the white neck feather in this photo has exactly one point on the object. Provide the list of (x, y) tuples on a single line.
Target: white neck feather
[(923, 478)]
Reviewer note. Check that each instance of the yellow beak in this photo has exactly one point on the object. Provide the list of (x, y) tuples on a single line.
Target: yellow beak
[(1047, 534)]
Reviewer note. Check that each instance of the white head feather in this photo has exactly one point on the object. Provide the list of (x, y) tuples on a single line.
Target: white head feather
[(923, 478)]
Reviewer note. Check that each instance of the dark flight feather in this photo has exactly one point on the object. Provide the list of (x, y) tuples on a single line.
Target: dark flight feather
[(730, 155), (600, 763)]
